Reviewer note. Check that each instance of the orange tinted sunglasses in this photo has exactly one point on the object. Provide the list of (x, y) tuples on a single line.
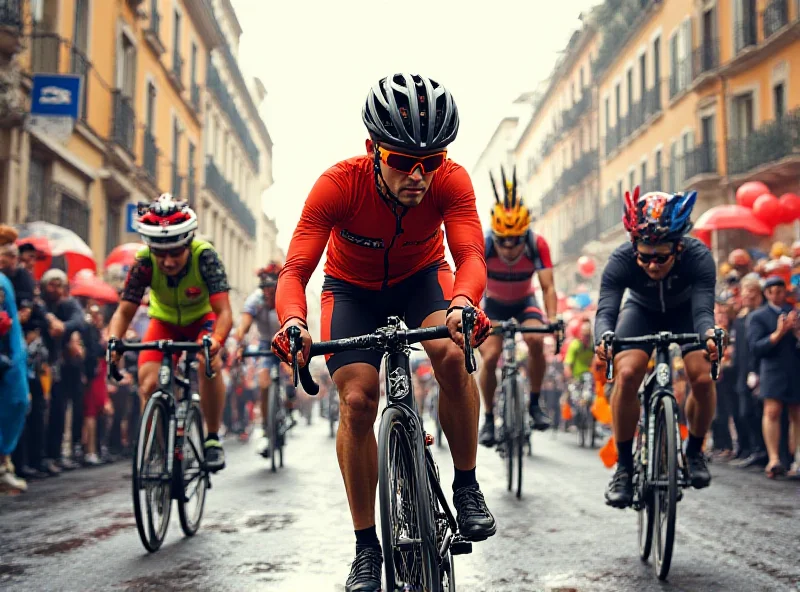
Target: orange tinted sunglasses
[(406, 163)]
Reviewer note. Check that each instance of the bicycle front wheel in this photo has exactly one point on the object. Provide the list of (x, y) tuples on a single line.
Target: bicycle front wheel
[(644, 493), (152, 500), (665, 490), (194, 479), (274, 438), (518, 442), (409, 543)]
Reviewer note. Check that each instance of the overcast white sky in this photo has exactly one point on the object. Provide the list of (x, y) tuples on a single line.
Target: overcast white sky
[(318, 60)]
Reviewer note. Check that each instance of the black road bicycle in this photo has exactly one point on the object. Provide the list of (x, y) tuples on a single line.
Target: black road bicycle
[(582, 398), (277, 423), (515, 430), (419, 531), (170, 460), (660, 469)]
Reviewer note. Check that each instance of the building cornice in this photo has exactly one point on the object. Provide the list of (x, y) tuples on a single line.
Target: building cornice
[(202, 15)]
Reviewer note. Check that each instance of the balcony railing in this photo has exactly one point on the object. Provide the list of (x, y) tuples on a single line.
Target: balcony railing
[(196, 96), (80, 65), (225, 192), (571, 116), (11, 13), (613, 137), (609, 216), (775, 16), (636, 116), (215, 85), (123, 130), (705, 57), (615, 33), (152, 33), (550, 198), (680, 77), (580, 236), (769, 143), (177, 68), (150, 159), (549, 143), (700, 161), (190, 187), (745, 32), (652, 100), (580, 169), (45, 50)]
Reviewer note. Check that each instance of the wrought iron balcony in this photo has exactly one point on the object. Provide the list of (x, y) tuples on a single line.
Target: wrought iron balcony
[(651, 184), (177, 184), (196, 96), (636, 115), (570, 117), (615, 33), (776, 15), (700, 161), (580, 236), (152, 33), (652, 100), (705, 57), (176, 74), (225, 192), (609, 216), (580, 169), (190, 187), (80, 65), (771, 142), (150, 156), (45, 50), (123, 130), (613, 137), (549, 143), (745, 32), (215, 85)]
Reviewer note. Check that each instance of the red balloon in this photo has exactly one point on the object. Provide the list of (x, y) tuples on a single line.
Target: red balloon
[(573, 328), (769, 210), (748, 193), (586, 266), (791, 207)]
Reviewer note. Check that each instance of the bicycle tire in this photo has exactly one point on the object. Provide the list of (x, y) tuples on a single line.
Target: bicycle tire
[(665, 501), (645, 513), (411, 560), (519, 435), (190, 521), (155, 414), (593, 427), (508, 426), (274, 444)]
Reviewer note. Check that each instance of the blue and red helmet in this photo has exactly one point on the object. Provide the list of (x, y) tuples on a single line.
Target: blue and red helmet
[(658, 217)]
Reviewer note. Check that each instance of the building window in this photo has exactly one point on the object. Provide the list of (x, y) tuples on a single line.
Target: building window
[(629, 78), (658, 170), (113, 228), (582, 82), (657, 61), (619, 190), (631, 180), (778, 100), (74, 214), (176, 141), (643, 175), (126, 67), (642, 76), (673, 172), (37, 187), (608, 114), (194, 63), (618, 98), (743, 115), (150, 122)]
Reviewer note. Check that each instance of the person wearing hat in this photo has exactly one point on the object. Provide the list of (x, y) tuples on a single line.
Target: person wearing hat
[(773, 341)]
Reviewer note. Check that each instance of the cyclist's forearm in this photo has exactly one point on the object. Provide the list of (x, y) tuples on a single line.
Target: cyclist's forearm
[(244, 327), (224, 322), (551, 302), (121, 319)]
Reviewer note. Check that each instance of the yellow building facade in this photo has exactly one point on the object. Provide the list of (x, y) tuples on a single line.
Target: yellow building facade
[(688, 94), (139, 130)]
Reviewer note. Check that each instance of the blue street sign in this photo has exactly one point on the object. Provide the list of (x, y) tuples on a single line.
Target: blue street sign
[(56, 95), (131, 211)]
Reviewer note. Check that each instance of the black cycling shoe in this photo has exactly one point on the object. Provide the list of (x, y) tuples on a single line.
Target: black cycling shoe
[(365, 572), (215, 455), (475, 521), (486, 435), (619, 493), (540, 420), (699, 476)]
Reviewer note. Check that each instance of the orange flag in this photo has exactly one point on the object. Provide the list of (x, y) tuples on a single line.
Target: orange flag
[(566, 411), (608, 453), (684, 431), (601, 409)]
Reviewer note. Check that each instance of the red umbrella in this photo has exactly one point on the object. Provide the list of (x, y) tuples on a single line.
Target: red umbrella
[(731, 217), (87, 285), (123, 255), (54, 241)]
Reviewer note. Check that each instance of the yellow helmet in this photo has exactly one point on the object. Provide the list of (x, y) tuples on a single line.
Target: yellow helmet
[(510, 217)]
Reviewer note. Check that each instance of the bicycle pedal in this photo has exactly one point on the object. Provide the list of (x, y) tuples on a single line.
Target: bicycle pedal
[(460, 547)]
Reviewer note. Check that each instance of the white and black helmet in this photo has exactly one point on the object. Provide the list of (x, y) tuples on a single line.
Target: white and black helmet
[(411, 112), (167, 223)]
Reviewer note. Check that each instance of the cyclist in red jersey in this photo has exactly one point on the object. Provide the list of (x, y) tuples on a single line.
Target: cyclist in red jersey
[(380, 216)]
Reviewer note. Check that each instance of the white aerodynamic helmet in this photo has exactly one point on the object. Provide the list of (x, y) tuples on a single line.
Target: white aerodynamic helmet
[(166, 223)]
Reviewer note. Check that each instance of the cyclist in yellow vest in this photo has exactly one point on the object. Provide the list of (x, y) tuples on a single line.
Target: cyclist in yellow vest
[(188, 300)]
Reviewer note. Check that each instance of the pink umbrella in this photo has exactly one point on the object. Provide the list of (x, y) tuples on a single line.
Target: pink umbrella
[(88, 285), (123, 255), (731, 217)]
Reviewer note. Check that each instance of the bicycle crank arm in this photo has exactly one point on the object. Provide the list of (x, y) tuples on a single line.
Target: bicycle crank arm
[(460, 546)]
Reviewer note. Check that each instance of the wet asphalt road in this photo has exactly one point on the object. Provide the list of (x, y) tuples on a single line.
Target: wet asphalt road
[(291, 530)]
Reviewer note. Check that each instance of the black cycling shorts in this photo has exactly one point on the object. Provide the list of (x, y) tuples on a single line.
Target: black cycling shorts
[(524, 310), (636, 320), (349, 310)]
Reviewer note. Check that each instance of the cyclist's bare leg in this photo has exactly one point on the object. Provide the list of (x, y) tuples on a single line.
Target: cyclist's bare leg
[(459, 403), (630, 366), (212, 393), (702, 401), (148, 381), (536, 361), (487, 378), (356, 446)]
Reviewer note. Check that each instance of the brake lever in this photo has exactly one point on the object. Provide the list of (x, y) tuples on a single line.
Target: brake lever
[(293, 333), (719, 341), (559, 334), (207, 354), (468, 317), (608, 341), (113, 371)]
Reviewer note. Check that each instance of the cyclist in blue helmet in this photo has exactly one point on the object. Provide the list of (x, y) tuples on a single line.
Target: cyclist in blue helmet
[(670, 278)]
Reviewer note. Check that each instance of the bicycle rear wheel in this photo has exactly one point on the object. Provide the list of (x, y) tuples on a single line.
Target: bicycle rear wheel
[(194, 478), (152, 500), (665, 493), (409, 542), (519, 434)]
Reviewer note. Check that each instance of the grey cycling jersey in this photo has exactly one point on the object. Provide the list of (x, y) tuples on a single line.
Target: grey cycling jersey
[(266, 319)]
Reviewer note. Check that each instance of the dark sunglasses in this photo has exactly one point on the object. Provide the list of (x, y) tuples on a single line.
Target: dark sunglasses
[(657, 258), (508, 242), (162, 253), (407, 163)]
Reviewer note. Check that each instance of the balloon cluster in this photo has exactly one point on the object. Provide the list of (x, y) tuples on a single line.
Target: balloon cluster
[(766, 207)]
